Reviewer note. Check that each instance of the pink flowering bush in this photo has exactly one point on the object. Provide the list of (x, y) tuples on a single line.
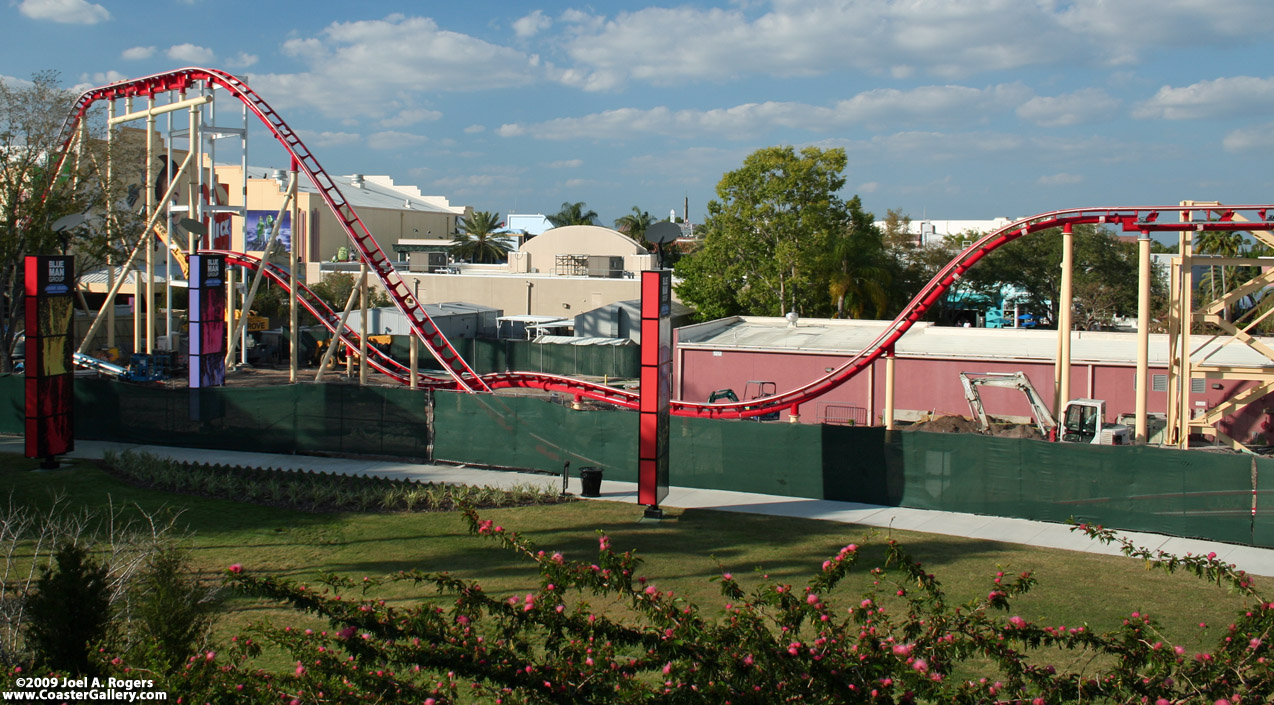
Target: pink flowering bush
[(903, 642)]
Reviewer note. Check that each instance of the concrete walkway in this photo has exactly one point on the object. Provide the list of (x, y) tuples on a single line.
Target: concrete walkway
[(1257, 561)]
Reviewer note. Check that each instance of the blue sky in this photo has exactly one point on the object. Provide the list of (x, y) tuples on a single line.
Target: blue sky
[(954, 109)]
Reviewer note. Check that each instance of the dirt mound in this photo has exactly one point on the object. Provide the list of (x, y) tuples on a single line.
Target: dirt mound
[(1016, 431), (945, 424)]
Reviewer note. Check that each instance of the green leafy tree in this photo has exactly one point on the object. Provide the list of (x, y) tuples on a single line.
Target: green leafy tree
[(69, 611), (33, 199), (573, 214), (896, 231), (635, 224), (1104, 274), (477, 241), (768, 235), (860, 267)]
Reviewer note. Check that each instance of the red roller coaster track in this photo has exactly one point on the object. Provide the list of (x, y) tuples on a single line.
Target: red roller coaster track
[(1141, 219)]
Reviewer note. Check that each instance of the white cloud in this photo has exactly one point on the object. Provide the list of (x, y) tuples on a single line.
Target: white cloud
[(1223, 96), (330, 139), (14, 82), (1254, 138), (566, 164), (242, 60), (532, 24), (372, 67), (1083, 106), (877, 109), (1062, 179), (869, 187), (885, 37), (391, 139), (99, 78), (191, 54), (406, 118), (475, 129), (138, 53), (64, 11)]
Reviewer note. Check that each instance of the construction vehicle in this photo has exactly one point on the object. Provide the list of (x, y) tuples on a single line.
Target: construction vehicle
[(754, 389), (1083, 420)]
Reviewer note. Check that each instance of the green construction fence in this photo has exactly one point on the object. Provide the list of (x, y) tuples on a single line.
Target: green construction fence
[(485, 356), (317, 418), (1217, 496)]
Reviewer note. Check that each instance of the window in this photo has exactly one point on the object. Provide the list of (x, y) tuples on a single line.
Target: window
[(1198, 386), (1159, 383)]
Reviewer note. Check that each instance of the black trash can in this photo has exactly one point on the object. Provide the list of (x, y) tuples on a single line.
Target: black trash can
[(590, 480)]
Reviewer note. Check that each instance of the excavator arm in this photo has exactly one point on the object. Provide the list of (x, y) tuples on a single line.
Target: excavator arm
[(971, 381)]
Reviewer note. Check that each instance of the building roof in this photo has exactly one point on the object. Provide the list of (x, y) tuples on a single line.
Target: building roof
[(369, 191), (572, 340), (925, 340), (101, 276)]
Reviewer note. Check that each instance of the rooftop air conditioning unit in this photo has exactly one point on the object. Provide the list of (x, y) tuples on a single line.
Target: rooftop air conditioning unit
[(606, 266)]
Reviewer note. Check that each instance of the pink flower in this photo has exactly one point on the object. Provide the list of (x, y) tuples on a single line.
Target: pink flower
[(236, 569), (557, 558), (727, 576), (668, 668), (920, 665), (1211, 556), (603, 543), (811, 599), (1017, 621), (300, 670)]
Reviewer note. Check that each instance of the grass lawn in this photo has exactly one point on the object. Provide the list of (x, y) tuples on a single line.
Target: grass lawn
[(681, 554)]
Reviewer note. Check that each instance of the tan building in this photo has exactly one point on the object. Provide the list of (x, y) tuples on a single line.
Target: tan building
[(390, 211), (561, 272)]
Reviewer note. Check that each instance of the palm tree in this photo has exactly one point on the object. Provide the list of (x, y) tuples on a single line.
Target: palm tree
[(635, 225), (477, 242), (859, 281), (573, 214), (1226, 243)]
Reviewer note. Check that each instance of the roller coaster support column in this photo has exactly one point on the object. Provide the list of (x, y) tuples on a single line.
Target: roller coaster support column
[(1064, 323), (362, 328), (414, 374), (889, 389), (294, 349), (1143, 333), (149, 239), (1186, 314), (110, 235)]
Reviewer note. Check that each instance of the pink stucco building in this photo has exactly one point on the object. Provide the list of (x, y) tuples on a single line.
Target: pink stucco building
[(730, 352)]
